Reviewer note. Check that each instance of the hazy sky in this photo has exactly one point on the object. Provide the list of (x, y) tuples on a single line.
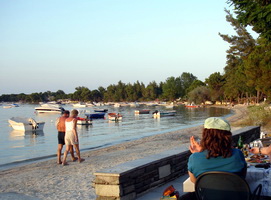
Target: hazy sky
[(62, 44)]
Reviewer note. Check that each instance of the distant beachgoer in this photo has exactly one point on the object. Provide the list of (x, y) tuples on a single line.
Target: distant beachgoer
[(214, 153), (60, 124), (71, 136)]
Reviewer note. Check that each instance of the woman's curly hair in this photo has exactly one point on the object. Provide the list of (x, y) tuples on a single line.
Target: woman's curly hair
[(217, 143)]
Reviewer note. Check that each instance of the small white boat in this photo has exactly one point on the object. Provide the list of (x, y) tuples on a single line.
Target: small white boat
[(25, 124), (117, 105), (158, 114), (8, 106), (84, 122), (114, 116), (79, 105), (49, 108), (11, 105)]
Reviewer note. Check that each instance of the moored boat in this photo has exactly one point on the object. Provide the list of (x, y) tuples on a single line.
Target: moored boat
[(144, 111), (25, 124), (49, 108), (95, 115), (84, 122), (100, 110), (114, 116), (158, 114), (192, 106), (79, 105)]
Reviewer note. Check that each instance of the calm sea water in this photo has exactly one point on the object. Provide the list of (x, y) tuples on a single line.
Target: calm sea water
[(16, 146)]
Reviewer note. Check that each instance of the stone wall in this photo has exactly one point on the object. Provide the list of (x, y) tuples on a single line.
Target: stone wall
[(129, 180)]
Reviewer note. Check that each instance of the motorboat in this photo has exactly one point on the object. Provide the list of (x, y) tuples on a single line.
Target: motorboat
[(114, 116), (95, 115), (25, 124), (144, 111), (49, 108), (158, 114)]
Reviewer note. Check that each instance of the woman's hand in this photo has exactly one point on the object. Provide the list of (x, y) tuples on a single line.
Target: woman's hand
[(254, 150), (194, 146)]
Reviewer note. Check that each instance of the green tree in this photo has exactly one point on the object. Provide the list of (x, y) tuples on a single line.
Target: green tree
[(258, 68), (152, 91), (195, 84), (216, 82), (256, 13), (199, 95), (172, 88), (186, 80), (242, 45), (81, 94)]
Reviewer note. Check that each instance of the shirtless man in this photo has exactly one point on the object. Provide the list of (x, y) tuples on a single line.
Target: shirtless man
[(61, 135)]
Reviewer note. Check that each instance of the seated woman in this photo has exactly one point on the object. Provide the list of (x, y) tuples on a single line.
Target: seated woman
[(214, 153)]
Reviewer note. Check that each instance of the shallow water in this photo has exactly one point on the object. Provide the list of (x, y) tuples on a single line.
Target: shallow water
[(16, 146)]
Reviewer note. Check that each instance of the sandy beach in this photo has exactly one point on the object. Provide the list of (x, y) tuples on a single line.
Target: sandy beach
[(47, 180)]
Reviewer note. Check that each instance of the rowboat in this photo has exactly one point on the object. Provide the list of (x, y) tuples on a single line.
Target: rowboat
[(144, 111), (114, 116), (158, 114), (25, 124)]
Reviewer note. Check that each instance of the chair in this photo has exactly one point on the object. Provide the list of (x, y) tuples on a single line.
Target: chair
[(224, 186)]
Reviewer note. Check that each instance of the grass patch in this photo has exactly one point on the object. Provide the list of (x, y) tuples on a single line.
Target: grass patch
[(258, 115)]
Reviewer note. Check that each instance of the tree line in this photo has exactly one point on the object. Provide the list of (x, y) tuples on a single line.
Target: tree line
[(246, 77)]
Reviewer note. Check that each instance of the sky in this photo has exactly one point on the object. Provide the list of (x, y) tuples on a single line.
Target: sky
[(50, 45)]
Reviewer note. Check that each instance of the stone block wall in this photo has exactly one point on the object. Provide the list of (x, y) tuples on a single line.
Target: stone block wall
[(129, 180)]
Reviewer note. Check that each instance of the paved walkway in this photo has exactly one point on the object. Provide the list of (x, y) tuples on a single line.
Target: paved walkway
[(157, 193)]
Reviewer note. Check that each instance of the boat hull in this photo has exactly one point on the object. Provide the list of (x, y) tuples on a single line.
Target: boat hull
[(95, 115), (114, 117), (24, 126), (138, 112), (164, 114), (84, 122)]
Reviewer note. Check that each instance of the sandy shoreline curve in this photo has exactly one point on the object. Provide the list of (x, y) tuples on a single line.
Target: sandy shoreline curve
[(47, 180)]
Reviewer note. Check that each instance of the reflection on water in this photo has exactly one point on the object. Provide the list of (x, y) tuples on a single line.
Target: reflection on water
[(24, 134), (20, 145)]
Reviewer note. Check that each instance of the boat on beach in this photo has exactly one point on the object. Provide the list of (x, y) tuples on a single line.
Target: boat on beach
[(49, 108), (158, 114), (114, 116), (144, 111), (25, 124)]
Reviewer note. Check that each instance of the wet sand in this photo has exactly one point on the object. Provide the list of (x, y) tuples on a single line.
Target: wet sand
[(48, 180)]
